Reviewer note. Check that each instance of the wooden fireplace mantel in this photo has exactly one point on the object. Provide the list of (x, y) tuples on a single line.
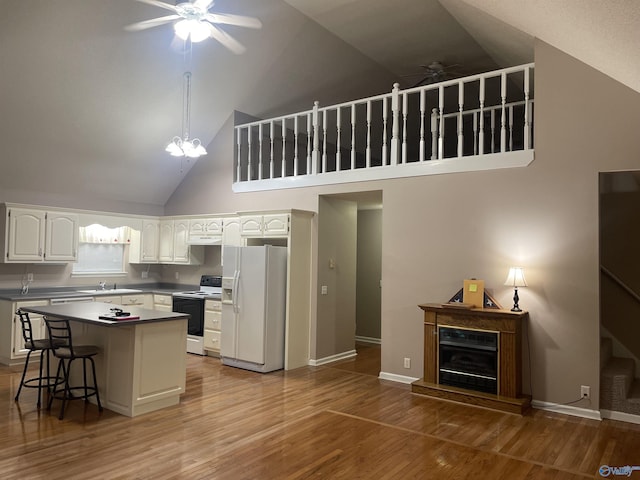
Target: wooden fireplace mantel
[(507, 324)]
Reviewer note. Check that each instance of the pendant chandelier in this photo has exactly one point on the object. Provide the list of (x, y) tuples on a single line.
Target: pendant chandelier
[(184, 146)]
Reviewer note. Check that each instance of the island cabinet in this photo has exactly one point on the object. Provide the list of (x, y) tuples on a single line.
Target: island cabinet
[(474, 356), (33, 235)]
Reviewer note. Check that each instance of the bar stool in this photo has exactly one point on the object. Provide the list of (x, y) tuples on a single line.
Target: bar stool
[(35, 345), (67, 352)]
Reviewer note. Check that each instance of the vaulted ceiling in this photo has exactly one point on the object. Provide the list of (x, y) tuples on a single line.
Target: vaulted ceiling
[(87, 107)]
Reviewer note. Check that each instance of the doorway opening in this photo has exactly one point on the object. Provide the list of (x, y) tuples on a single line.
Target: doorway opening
[(349, 276)]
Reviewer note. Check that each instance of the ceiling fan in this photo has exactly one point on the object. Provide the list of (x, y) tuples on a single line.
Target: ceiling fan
[(434, 72), (194, 22)]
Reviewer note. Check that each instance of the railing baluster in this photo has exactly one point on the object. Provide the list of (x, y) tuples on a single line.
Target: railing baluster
[(434, 133), (511, 128), (441, 124), (384, 130), (283, 159), (503, 119), (368, 150), (493, 130), (395, 125), (421, 146), (481, 126), (239, 144), (353, 136), (324, 141), (272, 146), (316, 138), (527, 132), (249, 155), (475, 133), (460, 129), (404, 127), (295, 146), (309, 135), (260, 166), (338, 132)]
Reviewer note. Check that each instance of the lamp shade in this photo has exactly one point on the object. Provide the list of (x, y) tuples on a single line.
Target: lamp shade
[(515, 278)]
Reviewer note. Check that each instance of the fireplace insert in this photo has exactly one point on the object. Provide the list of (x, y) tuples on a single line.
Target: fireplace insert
[(468, 359)]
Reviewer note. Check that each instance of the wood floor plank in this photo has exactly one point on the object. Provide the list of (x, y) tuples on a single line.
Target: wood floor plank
[(334, 421)]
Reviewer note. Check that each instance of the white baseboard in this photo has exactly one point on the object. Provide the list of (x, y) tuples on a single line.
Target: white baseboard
[(332, 358), (396, 378), (620, 416), (376, 341), (567, 409)]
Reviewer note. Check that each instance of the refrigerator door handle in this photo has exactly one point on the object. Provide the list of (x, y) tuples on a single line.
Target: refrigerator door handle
[(236, 282)]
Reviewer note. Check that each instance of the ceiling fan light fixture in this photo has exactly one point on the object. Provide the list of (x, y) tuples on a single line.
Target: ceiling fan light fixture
[(195, 30), (174, 148)]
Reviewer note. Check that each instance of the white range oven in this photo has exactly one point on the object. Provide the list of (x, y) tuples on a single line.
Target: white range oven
[(193, 303)]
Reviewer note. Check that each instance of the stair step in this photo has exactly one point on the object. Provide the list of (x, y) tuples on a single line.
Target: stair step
[(634, 395), (616, 379)]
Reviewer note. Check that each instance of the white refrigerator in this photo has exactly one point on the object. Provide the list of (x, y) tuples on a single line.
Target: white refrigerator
[(253, 307)]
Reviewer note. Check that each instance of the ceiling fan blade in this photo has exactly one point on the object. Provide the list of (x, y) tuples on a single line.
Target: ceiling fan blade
[(136, 27), (157, 3), (230, 19), (225, 39)]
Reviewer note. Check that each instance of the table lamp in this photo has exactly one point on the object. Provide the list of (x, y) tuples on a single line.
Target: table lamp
[(516, 279)]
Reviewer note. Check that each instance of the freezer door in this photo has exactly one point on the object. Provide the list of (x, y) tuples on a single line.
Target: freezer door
[(251, 299)]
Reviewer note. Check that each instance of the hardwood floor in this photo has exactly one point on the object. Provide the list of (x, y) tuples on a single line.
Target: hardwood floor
[(335, 421)]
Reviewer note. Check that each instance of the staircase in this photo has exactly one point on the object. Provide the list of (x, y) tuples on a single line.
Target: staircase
[(619, 387)]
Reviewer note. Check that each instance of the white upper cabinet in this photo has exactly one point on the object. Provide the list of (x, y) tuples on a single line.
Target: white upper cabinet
[(33, 235), (150, 241), (268, 225), (231, 232), (206, 230), (166, 248), (61, 237)]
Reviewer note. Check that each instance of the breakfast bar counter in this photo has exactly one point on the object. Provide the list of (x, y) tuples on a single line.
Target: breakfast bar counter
[(142, 364)]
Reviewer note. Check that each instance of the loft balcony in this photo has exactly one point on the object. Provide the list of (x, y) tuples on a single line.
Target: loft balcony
[(480, 122)]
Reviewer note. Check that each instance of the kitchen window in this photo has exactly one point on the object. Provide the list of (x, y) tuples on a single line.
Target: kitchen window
[(101, 251)]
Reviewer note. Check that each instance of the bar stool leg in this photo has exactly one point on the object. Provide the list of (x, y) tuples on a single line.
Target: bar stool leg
[(24, 373)]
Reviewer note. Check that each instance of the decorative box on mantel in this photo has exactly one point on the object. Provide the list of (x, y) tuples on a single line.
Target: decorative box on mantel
[(474, 356)]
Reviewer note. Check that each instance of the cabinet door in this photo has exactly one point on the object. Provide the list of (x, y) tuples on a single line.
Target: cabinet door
[(251, 225), (181, 249), (26, 235), (150, 240), (214, 226), (61, 240), (231, 232), (166, 248), (275, 224)]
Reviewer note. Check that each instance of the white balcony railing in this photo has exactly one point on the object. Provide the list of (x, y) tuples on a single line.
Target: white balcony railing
[(480, 122)]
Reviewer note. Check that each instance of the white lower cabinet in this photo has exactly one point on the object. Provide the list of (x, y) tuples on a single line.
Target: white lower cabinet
[(12, 349), (212, 323), (162, 302)]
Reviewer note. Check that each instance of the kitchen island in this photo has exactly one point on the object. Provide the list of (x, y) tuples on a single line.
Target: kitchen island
[(142, 364)]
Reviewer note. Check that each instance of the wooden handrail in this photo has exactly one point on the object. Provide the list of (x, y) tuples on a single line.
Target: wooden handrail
[(620, 283)]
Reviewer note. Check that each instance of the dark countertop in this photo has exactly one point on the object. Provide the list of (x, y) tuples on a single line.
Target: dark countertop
[(14, 295), (90, 311)]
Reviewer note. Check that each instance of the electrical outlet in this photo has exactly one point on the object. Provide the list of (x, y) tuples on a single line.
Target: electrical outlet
[(585, 391), (29, 277), (324, 290), (177, 276), (145, 274), (407, 362)]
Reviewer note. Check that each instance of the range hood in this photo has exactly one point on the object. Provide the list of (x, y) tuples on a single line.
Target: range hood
[(204, 240)]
